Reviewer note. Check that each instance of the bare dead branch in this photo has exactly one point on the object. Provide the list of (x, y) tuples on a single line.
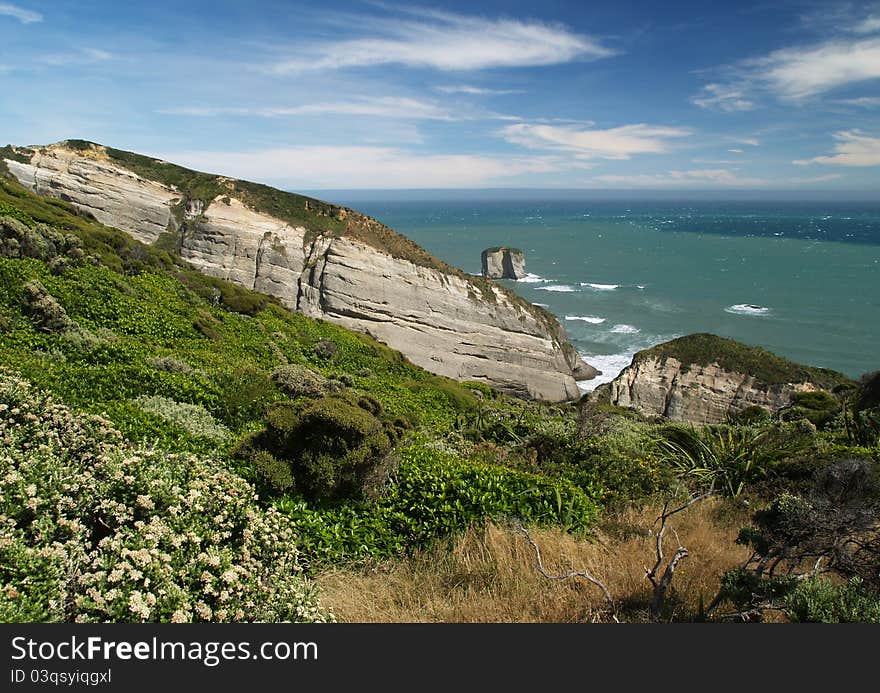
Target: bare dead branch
[(567, 576)]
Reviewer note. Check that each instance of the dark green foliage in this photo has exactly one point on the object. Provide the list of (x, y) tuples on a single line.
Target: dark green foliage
[(819, 408), (432, 495), (273, 475), (727, 458), (819, 600), (750, 416), (869, 391), (768, 368), (330, 446)]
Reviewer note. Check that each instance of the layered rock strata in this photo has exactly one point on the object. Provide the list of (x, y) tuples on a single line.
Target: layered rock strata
[(663, 386), (442, 321)]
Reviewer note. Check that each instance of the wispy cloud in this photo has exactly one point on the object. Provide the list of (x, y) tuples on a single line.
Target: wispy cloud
[(83, 56), (381, 107), (795, 74), (23, 15), (475, 91), (613, 143), (447, 41), (800, 73), (863, 101), (852, 148), (868, 25), (310, 167), (723, 97), (719, 177)]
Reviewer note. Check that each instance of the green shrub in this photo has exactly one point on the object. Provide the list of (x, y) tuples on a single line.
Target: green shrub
[(298, 381), (330, 445), (44, 310), (334, 445), (273, 474), (750, 416), (244, 394), (819, 600), (325, 349)]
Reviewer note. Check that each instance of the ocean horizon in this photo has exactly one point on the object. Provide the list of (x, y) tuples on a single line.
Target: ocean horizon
[(798, 277)]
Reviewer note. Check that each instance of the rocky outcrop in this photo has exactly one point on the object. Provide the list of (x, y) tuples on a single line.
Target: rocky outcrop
[(503, 263), (114, 196), (700, 394), (440, 318)]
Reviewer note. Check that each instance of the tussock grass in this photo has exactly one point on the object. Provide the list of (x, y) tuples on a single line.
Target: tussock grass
[(490, 574)]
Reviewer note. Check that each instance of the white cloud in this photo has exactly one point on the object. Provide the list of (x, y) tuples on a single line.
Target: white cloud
[(735, 151), (852, 148), (613, 143), (869, 25), (382, 107), (20, 13), (319, 166), (750, 141), (801, 73), (83, 56), (705, 177), (863, 101), (723, 97), (446, 41), (475, 91), (720, 162)]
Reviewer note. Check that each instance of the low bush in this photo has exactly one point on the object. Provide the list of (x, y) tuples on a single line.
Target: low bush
[(298, 381)]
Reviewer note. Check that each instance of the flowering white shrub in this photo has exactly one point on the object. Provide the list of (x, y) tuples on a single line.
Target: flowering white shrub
[(93, 531)]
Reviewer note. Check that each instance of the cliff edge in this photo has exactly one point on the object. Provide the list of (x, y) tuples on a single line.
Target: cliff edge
[(703, 378), (318, 258)]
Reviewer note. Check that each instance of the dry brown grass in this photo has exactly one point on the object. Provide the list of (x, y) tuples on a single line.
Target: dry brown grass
[(490, 575)]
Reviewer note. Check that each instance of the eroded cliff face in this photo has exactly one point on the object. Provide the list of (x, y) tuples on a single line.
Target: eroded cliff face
[(441, 321), (700, 394)]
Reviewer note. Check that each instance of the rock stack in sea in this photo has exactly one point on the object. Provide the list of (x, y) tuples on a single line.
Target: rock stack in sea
[(503, 263)]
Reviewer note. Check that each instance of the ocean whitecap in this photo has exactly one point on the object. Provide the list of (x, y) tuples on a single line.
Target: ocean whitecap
[(533, 279), (601, 287), (625, 329), (561, 288), (592, 319), (747, 309)]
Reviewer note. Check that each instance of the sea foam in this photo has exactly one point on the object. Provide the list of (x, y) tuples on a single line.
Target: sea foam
[(592, 319), (601, 287), (533, 279), (747, 309), (625, 329), (561, 288)]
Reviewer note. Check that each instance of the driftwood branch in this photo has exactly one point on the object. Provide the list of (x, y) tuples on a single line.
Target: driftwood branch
[(567, 576)]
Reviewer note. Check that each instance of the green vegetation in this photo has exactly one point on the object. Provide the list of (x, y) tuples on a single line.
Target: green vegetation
[(768, 368), (215, 451)]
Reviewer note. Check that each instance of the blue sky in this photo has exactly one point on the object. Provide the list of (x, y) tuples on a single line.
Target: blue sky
[(319, 95)]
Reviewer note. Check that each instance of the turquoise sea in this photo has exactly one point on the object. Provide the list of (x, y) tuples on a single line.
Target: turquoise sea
[(799, 278)]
